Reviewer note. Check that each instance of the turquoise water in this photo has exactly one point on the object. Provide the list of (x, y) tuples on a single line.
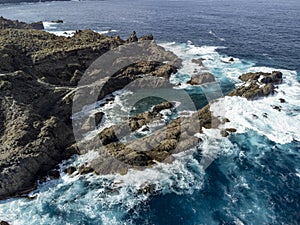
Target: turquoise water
[(255, 175)]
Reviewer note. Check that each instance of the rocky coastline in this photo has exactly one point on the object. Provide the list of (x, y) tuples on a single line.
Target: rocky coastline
[(39, 73)]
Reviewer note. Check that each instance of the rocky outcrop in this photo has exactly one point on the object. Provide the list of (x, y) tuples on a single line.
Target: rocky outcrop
[(202, 78), (38, 74), (179, 135), (258, 84), (142, 119), (5, 23), (265, 78)]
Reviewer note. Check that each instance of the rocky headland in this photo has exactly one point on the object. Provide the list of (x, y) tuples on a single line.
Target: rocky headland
[(40, 74)]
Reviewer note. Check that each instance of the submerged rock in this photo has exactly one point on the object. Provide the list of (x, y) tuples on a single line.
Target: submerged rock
[(282, 100), (57, 21)]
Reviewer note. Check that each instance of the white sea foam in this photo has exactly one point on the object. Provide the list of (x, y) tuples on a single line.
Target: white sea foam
[(281, 127), (107, 31), (187, 52), (259, 115), (51, 28), (49, 25), (105, 198), (65, 33)]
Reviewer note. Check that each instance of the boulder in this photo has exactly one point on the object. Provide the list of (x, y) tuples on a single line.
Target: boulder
[(85, 169), (274, 78), (53, 174), (203, 78), (164, 105)]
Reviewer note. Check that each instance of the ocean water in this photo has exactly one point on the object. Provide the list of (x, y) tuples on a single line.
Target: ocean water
[(254, 177)]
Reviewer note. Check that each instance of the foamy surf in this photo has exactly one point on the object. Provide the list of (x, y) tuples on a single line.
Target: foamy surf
[(269, 116), (102, 198), (50, 25)]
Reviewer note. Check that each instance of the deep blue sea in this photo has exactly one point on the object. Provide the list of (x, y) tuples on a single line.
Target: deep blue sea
[(255, 175)]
